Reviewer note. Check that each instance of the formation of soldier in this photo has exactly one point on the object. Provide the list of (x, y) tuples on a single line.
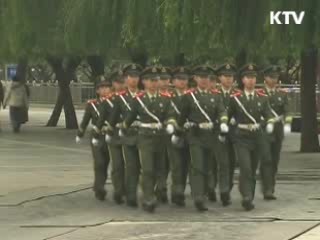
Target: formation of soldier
[(198, 133)]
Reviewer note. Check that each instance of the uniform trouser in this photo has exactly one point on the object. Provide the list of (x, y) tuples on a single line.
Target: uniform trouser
[(219, 168), (117, 170), (232, 161), (152, 160), (199, 170), (249, 156), (100, 164), (179, 157), (132, 170)]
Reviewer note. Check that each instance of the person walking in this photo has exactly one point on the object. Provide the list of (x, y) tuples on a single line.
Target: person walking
[(17, 98)]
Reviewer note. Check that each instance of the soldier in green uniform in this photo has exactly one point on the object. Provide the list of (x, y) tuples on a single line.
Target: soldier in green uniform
[(115, 143), (99, 151), (278, 100), (164, 84), (248, 108), (178, 149), (152, 107), (122, 103), (226, 73), (201, 108)]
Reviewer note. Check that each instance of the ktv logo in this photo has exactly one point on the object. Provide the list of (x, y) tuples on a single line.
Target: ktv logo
[(286, 17)]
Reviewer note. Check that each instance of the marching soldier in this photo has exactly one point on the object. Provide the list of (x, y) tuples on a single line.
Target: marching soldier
[(278, 100), (226, 73), (99, 151), (123, 102), (178, 151), (201, 108), (152, 107), (248, 108), (115, 143)]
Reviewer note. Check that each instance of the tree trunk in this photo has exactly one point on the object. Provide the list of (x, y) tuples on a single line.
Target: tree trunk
[(309, 128), (64, 76)]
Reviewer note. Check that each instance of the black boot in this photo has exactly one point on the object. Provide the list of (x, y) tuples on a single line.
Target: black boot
[(118, 199), (100, 194), (212, 196), (149, 207), (201, 207), (247, 205), (132, 203), (162, 197), (178, 200), (269, 197), (225, 199)]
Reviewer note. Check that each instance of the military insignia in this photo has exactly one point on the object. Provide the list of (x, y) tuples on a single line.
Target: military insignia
[(154, 70), (163, 70), (211, 100), (228, 66), (134, 66), (259, 104), (161, 105), (280, 99), (250, 67)]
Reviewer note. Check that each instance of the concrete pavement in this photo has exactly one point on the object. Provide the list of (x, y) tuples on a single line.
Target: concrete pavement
[(45, 181)]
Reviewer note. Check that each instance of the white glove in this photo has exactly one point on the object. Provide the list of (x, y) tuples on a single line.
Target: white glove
[(170, 129), (95, 142), (78, 140), (270, 128), (175, 139), (121, 133), (107, 138), (222, 138), (224, 128), (287, 128), (233, 121)]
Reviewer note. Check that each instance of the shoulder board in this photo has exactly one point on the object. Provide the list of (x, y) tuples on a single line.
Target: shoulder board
[(236, 94), (165, 94), (139, 95), (284, 90), (192, 90), (261, 90), (261, 94), (215, 91), (121, 93), (92, 101)]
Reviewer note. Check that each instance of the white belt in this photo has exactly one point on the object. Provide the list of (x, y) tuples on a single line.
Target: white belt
[(206, 125), (151, 125), (249, 127), (134, 124)]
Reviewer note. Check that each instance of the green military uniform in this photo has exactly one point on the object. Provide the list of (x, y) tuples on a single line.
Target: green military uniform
[(100, 151), (153, 112), (279, 103), (122, 108), (248, 108), (115, 149), (201, 108), (229, 69), (178, 152), (165, 74)]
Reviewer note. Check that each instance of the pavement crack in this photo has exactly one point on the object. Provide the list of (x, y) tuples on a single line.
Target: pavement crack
[(44, 197), (304, 231), (61, 234)]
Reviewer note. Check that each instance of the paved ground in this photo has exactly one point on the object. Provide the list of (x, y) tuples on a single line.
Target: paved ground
[(45, 181)]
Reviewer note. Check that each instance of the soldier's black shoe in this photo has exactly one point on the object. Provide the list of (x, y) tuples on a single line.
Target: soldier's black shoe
[(270, 197), (212, 196), (178, 200), (100, 195), (162, 198), (132, 203), (225, 199), (118, 199), (200, 206), (149, 207), (247, 205)]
